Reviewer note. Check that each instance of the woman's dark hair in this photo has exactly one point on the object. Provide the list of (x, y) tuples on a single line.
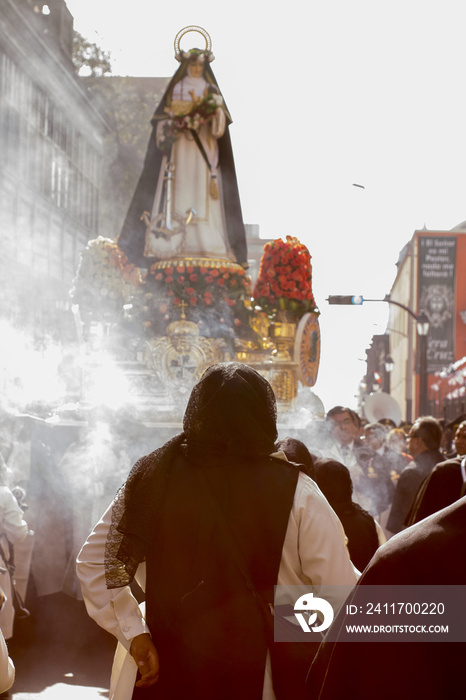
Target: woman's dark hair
[(296, 451), (334, 480)]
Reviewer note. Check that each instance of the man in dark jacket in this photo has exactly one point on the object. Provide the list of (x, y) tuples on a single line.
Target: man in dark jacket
[(445, 484), (345, 446), (427, 554), (423, 445)]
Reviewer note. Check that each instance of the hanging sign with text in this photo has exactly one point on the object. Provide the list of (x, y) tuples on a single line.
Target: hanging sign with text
[(436, 296)]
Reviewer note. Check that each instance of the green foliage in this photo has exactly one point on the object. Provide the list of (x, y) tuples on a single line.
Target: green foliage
[(89, 59)]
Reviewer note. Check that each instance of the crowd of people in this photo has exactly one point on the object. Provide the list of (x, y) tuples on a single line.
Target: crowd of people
[(209, 523), (205, 527), (184, 564)]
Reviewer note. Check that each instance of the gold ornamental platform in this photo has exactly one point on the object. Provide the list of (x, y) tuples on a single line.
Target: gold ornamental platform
[(184, 315)]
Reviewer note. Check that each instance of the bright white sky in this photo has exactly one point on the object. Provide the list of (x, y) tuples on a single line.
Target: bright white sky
[(324, 95)]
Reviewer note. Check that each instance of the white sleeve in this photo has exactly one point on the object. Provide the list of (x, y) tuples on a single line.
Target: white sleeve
[(116, 609), (218, 123), (7, 668), (13, 525), (314, 552), (381, 537)]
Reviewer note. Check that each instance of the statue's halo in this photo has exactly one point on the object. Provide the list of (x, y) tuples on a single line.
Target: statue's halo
[(193, 28)]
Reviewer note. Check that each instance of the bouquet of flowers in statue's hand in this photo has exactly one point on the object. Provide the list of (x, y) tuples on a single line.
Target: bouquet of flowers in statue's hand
[(203, 109), (284, 282)]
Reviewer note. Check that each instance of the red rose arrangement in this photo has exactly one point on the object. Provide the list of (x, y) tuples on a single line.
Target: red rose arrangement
[(200, 287), (284, 282)]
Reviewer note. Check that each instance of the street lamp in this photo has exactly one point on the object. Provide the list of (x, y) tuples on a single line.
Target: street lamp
[(388, 363), (422, 325)]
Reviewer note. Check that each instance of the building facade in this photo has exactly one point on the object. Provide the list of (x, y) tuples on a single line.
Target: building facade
[(51, 141), (430, 279)]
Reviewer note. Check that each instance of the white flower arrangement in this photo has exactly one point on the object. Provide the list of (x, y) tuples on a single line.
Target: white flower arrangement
[(105, 279), (195, 56)]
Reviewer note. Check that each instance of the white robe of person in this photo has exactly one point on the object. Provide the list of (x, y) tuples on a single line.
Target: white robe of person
[(206, 232), (7, 667), (314, 554), (13, 529)]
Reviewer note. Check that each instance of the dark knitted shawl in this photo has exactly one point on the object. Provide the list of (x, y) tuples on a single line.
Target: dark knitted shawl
[(230, 418)]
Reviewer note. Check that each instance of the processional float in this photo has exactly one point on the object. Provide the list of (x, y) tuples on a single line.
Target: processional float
[(171, 294)]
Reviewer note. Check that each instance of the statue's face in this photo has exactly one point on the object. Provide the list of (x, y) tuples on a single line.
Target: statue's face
[(195, 70)]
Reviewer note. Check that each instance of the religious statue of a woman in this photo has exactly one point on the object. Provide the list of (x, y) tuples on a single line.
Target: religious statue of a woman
[(186, 202)]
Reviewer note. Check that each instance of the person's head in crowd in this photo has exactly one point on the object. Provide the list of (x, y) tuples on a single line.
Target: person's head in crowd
[(460, 439), (296, 451), (345, 424), (375, 435), (406, 427), (231, 411), (396, 440), (388, 423), (334, 480), (425, 434)]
